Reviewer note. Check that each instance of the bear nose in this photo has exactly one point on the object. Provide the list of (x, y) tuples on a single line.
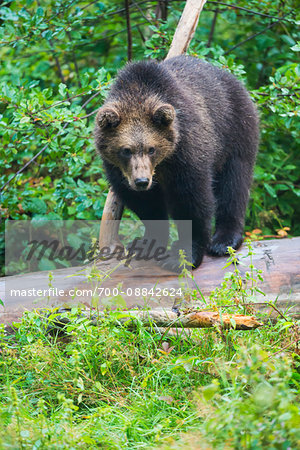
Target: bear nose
[(141, 183)]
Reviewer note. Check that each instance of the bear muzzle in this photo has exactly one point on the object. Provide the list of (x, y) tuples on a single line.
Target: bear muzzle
[(142, 184)]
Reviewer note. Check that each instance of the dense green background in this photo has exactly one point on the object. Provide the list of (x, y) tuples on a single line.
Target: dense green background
[(58, 59)]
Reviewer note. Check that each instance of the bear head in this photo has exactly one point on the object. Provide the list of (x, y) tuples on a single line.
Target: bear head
[(136, 137)]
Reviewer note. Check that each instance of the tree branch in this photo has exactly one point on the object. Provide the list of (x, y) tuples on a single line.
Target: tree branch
[(129, 35), (265, 94), (186, 27), (241, 8), (167, 318), (252, 37), (212, 30)]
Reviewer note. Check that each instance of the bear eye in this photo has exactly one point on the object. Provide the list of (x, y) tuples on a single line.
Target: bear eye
[(126, 152), (151, 151)]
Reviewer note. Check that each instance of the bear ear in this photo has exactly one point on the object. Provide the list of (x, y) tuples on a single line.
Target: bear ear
[(164, 115), (108, 117)]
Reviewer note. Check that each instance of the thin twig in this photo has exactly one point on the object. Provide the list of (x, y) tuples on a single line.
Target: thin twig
[(129, 34), (161, 11), (251, 37), (89, 4), (142, 13), (257, 13), (295, 92), (285, 347), (121, 10), (57, 62), (90, 114), (108, 36), (164, 9), (141, 34), (277, 310), (60, 102), (91, 98), (212, 30)]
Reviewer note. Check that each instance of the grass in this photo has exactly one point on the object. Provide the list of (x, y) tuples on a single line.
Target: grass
[(112, 387)]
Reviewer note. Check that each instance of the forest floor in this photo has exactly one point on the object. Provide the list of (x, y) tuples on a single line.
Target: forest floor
[(113, 387)]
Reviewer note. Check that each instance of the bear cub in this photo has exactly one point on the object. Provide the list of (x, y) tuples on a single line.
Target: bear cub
[(179, 138)]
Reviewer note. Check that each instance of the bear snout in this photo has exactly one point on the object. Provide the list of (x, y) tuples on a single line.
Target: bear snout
[(142, 183)]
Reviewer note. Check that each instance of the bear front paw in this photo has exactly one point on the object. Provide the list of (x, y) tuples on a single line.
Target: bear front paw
[(221, 242)]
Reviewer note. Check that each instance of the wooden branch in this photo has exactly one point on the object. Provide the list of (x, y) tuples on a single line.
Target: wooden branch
[(113, 208), (163, 318), (186, 27), (194, 319), (109, 229)]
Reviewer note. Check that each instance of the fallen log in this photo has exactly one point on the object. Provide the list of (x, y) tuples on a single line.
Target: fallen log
[(113, 208), (278, 259)]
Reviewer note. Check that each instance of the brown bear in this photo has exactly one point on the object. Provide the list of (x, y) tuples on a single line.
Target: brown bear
[(179, 138)]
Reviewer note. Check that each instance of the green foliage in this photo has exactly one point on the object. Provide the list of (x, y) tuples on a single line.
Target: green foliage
[(262, 411), (56, 63)]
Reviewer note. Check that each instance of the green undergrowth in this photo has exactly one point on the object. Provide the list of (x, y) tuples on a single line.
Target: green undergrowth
[(112, 386)]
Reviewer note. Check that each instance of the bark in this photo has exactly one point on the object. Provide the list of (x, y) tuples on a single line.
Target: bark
[(186, 27)]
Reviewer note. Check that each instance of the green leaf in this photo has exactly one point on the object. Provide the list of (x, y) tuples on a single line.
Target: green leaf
[(74, 240), (210, 390), (296, 48), (270, 190), (40, 11), (62, 89), (25, 119), (35, 206)]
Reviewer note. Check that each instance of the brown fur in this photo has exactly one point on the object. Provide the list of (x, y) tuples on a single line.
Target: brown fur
[(139, 127)]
